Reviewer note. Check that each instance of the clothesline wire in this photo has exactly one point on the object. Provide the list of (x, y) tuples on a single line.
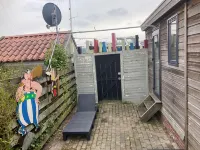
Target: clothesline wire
[(101, 30)]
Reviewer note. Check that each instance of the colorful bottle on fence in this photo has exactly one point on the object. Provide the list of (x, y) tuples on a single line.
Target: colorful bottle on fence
[(123, 44), (96, 46), (87, 46), (114, 42), (119, 48), (145, 43), (91, 49), (131, 46), (83, 50), (79, 50), (100, 47), (104, 47), (127, 47), (137, 46), (109, 47)]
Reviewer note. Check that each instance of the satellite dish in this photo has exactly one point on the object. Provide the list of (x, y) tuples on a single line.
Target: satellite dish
[(51, 13)]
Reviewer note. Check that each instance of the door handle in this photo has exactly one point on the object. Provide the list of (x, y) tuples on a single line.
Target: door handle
[(119, 73)]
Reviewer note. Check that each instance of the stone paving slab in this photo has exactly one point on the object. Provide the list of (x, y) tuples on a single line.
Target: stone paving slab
[(117, 127)]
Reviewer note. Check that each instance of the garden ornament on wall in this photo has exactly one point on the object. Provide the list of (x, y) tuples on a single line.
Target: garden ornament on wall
[(54, 81), (27, 97)]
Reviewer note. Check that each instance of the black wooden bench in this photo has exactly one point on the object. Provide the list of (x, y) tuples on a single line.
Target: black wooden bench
[(82, 121)]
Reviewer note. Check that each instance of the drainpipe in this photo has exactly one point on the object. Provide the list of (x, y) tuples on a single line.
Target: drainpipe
[(186, 75)]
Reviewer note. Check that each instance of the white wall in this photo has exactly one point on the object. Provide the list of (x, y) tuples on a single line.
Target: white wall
[(86, 74), (135, 75)]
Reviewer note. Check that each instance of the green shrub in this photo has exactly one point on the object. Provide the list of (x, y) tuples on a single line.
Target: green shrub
[(7, 104), (59, 59), (7, 112)]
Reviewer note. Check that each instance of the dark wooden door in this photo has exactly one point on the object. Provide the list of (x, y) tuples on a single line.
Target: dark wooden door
[(108, 77)]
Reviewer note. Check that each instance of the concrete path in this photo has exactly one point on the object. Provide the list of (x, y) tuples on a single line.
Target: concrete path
[(117, 127)]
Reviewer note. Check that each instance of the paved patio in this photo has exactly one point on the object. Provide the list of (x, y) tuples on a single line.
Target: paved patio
[(117, 127)]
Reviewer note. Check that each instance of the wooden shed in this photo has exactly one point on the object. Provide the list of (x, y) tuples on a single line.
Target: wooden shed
[(173, 34), (119, 75)]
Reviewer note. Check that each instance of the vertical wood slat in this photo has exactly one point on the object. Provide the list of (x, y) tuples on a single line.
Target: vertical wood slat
[(186, 75), (193, 72), (135, 75)]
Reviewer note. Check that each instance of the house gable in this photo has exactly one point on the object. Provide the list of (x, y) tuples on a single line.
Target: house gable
[(161, 10)]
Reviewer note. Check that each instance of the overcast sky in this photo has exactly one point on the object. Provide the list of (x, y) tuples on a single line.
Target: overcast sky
[(25, 16)]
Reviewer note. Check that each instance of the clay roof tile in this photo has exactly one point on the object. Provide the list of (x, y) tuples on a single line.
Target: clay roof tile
[(27, 47)]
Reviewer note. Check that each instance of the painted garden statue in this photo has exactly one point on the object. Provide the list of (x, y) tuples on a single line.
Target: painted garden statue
[(27, 97)]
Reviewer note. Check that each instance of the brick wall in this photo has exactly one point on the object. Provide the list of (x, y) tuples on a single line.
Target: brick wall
[(170, 131)]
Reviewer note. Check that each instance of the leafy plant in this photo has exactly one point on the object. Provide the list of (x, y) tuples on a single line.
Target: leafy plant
[(7, 107), (7, 103), (59, 59)]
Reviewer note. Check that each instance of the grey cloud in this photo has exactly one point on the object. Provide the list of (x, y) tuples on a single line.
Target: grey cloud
[(33, 6), (93, 17), (117, 12), (139, 22), (81, 23), (129, 23)]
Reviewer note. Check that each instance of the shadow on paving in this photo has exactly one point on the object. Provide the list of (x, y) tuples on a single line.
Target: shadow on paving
[(117, 127)]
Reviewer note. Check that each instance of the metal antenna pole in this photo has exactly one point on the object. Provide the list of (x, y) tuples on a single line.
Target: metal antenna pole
[(70, 11), (54, 21)]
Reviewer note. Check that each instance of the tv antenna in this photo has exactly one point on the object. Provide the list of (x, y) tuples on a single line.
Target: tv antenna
[(52, 16)]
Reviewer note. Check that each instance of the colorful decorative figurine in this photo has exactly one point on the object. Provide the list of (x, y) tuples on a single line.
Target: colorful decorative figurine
[(27, 97), (54, 80)]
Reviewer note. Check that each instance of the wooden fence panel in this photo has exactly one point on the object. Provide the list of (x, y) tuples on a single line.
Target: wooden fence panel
[(53, 110)]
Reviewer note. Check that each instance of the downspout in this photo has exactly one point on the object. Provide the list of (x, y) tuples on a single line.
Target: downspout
[(186, 74)]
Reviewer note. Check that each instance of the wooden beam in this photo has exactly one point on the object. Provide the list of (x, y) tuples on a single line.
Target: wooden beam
[(186, 74)]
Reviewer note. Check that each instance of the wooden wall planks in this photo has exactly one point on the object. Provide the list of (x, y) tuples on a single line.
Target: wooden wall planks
[(194, 72), (194, 39), (193, 10), (194, 29), (194, 20), (172, 77)]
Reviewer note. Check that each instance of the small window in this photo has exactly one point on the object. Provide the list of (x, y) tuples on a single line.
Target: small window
[(173, 40)]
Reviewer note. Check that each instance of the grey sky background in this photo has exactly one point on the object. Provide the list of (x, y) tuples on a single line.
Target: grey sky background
[(25, 16)]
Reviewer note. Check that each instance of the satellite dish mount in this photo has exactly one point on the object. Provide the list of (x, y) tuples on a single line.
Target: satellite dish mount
[(52, 16)]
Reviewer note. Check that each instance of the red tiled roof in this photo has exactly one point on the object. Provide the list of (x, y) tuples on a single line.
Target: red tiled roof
[(30, 47)]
